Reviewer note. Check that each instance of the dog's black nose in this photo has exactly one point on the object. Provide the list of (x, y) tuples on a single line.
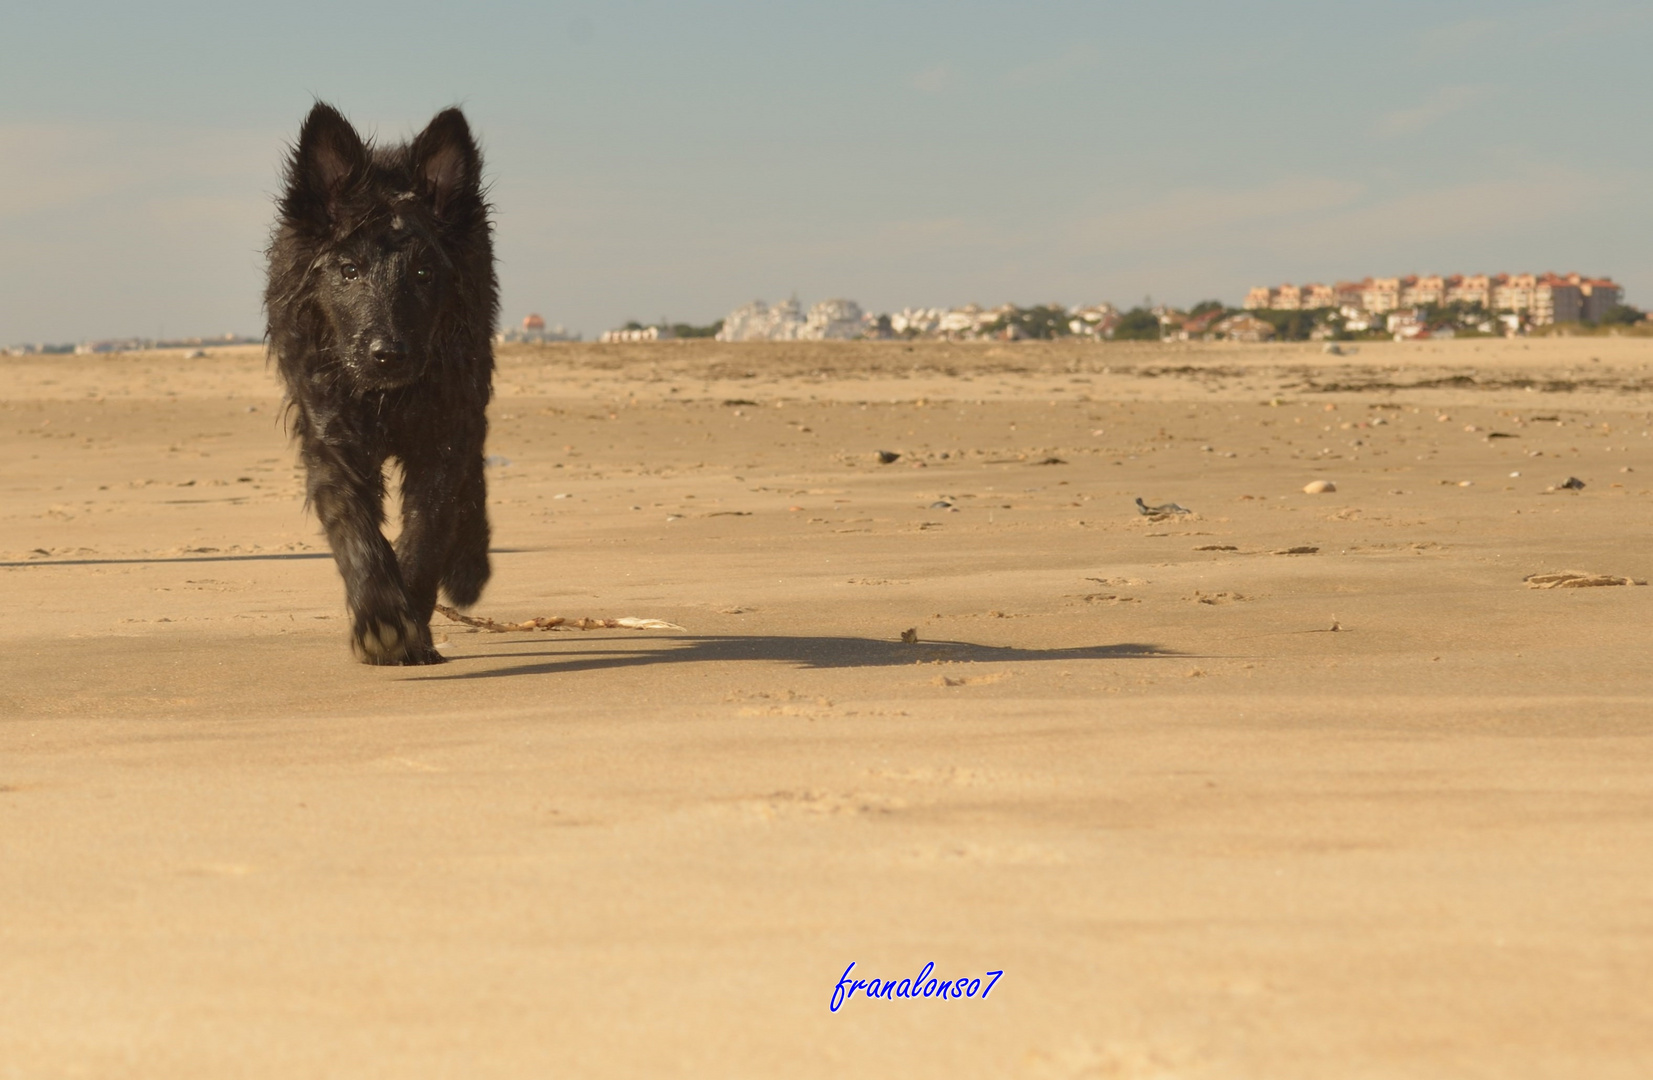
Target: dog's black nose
[(388, 352)]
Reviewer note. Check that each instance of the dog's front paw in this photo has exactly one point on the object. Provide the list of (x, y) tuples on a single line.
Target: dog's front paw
[(396, 640), (465, 578)]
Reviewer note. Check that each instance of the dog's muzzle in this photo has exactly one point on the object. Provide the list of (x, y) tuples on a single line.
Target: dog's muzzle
[(389, 363)]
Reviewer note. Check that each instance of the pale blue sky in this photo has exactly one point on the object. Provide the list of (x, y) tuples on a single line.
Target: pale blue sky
[(677, 159)]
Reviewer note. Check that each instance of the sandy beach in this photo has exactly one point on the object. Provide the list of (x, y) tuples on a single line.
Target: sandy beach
[(1289, 785)]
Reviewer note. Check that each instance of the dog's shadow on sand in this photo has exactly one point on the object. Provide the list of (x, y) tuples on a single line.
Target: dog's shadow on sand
[(804, 652)]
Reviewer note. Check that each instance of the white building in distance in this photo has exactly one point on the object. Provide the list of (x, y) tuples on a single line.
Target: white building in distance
[(834, 320), (643, 333), (829, 320), (921, 321), (758, 321)]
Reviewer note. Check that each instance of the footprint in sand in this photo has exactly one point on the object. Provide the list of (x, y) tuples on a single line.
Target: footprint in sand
[(969, 680), (794, 804)]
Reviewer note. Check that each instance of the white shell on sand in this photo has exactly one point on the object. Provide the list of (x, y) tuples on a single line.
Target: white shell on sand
[(1318, 487)]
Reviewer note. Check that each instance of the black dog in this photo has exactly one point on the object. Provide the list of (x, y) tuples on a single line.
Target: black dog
[(382, 303)]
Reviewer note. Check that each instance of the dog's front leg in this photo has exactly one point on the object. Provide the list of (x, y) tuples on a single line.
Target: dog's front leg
[(347, 490), (430, 508)]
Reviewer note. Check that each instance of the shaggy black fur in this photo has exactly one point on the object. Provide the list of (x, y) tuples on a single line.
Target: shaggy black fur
[(382, 303)]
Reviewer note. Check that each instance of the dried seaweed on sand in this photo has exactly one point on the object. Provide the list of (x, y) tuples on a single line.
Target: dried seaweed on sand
[(1576, 579), (555, 622)]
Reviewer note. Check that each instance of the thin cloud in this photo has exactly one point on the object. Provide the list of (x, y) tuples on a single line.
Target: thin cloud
[(1586, 25), (118, 229), (947, 238), (51, 167), (1454, 39), (44, 167), (1053, 68), (1308, 220), (1484, 208), (1447, 101), (936, 79), (1206, 215)]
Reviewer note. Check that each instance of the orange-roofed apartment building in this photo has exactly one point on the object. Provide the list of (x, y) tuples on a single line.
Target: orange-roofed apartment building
[(1572, 297), (1318, 296), (1598, 295), (1472, 289), (1379, 295), (1515, 293), (1543, 299), (1290, 297), (1426, 289), (1555, 299)]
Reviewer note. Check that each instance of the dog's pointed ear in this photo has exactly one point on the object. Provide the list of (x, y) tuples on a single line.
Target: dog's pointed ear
[(329, 157), (446, 160)]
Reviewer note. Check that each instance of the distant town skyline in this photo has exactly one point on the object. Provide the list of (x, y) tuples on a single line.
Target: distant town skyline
[(679, 161), (1520, 300)]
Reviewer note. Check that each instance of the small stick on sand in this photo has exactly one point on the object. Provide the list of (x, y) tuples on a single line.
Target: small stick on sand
[(555, 622)]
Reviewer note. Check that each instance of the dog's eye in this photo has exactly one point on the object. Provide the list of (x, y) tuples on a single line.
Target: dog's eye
[(350, 272), (423, 273)]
